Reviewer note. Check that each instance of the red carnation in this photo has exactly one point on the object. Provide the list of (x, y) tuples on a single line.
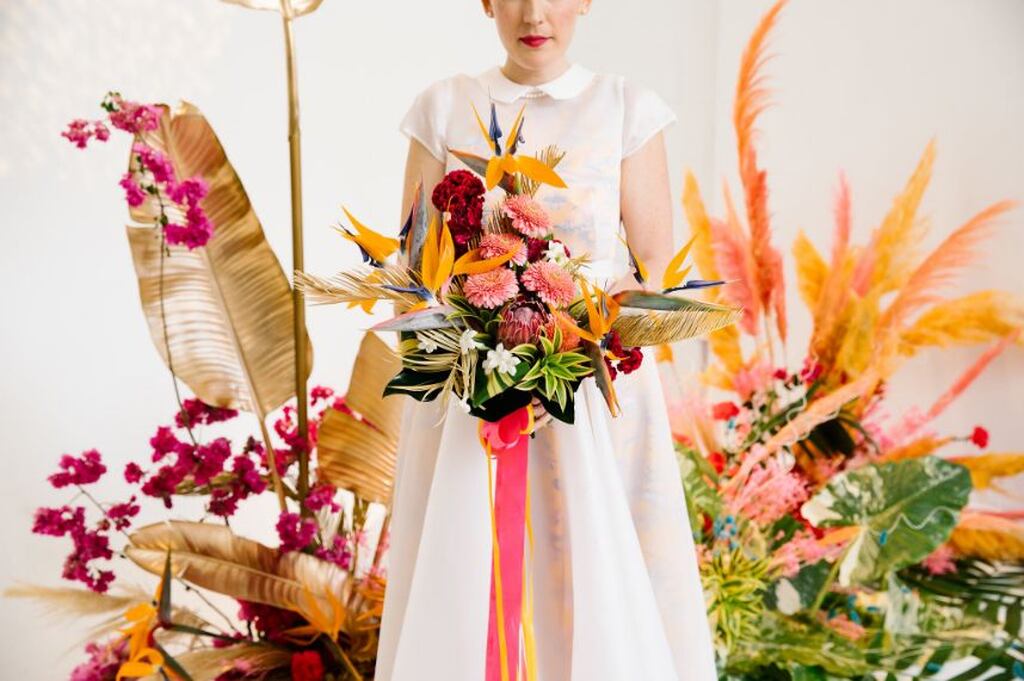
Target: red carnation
[(723, 411), (307, 666), (979, 436)]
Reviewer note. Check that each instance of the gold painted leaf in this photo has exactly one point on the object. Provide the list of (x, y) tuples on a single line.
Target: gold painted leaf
[(213, 557), (651, 319), (228, 305), (297, 8), (359, 454)]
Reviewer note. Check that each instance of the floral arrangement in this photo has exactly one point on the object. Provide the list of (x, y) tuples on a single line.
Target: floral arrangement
[(216, 299), (835, 540)]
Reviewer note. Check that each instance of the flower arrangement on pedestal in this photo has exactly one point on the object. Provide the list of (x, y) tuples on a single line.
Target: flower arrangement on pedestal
[(836, 542)]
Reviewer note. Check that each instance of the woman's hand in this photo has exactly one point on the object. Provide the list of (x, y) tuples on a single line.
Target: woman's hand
[(541, 417)]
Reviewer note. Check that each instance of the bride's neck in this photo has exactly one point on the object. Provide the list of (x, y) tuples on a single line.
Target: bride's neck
[(547, 73)]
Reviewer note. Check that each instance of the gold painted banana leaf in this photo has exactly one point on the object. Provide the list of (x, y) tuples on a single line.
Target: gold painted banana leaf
[(359, 455), (226, 308), (213, 557)]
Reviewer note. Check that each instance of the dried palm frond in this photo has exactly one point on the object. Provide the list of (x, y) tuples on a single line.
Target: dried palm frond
[(358, 284), (224, 311), (637, 326), (986, 467), (214, 558), (981, 535), (884, 264), (208, 664), (974, 318), (359, 455)]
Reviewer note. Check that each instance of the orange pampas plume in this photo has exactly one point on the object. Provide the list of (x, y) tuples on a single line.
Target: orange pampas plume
[(955, 252), (968, 376), (736, 265), (751, 100)]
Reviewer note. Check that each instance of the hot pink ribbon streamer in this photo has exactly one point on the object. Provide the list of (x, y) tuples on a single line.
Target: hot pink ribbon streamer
[(510, 445)]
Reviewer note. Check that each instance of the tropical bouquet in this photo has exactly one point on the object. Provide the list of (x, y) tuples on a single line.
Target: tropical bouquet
[(496, 311), (835, 539)]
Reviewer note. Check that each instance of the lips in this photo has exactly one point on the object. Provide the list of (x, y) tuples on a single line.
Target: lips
[(533, 40)]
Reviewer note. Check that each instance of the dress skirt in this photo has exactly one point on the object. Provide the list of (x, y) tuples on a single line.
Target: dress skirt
[(617, 594)]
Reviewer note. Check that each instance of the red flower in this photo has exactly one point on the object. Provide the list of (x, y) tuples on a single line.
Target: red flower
[(781, 374), (717, 459), (723, 411), (979, 436), (461, 195), (307, 666)]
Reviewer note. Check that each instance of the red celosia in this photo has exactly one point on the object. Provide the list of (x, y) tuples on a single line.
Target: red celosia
[(461, 195)]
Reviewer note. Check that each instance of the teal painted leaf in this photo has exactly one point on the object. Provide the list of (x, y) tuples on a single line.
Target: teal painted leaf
[(904, 510)]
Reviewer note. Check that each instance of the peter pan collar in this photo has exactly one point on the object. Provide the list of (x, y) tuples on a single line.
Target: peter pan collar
[(565, 86)]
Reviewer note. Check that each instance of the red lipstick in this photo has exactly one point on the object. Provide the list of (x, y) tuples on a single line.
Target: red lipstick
[(533, 40)]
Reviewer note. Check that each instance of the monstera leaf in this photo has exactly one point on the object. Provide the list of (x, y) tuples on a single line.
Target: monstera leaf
[(358, 454), (901, 511), (290, 8), (220, 315), (214, 558)]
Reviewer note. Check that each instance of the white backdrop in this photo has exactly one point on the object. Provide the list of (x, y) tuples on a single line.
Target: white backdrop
[(859, 86)]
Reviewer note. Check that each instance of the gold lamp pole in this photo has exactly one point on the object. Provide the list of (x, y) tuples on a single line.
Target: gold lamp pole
[(298, 301)]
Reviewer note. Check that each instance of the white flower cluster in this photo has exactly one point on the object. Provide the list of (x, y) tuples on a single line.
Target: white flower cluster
[(501, 359), (556, 253)]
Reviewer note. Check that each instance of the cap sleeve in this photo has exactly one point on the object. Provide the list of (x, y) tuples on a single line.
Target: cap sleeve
[(425, 119), (645, 113)]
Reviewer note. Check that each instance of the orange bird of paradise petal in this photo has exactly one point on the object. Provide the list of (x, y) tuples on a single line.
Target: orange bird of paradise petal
[(510, 164), (375, 245), (470, 262), (438, 257)]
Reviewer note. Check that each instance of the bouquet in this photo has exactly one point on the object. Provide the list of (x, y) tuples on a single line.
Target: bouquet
[(497, 313)]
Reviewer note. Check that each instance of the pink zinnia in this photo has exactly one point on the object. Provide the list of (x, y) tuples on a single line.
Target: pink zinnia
[(495, 245), (550, 282), (491, 289), (528, 217)]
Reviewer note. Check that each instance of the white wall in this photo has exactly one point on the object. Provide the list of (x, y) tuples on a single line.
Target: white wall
[(860, 86)]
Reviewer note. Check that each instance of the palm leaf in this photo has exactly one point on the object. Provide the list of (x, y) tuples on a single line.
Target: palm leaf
[(652, 319), (359, 454), (213, 557), (228, 305)]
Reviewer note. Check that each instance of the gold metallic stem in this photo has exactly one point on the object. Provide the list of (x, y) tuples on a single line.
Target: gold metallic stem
[(272, 465), (299, 315)]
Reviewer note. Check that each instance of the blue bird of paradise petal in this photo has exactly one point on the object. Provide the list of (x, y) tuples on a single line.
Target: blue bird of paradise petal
[(695, 284), (495, 131), (418, 290)]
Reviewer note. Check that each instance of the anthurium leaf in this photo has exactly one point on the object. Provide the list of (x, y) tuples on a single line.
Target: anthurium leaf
[(500, 405), (790, 595), (903, 511)]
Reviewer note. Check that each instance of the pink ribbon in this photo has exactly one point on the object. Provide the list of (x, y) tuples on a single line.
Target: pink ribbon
[(508, 440)]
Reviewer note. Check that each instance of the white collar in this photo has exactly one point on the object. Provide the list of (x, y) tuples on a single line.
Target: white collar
[(567, 85)]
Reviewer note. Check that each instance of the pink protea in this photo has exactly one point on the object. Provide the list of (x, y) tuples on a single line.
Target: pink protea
[(523, 321), (491, 289), (551, 282), (528, 217), (498, 244)]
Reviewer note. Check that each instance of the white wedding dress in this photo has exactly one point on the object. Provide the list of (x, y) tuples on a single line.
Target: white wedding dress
[(617, 591)]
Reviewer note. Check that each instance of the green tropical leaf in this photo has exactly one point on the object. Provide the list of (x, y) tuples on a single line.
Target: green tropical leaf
[(903, 510)]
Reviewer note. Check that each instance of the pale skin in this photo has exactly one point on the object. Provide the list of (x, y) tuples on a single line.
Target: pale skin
[(645, 193)]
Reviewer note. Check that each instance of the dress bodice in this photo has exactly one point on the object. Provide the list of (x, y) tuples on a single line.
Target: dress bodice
[(596, 119)]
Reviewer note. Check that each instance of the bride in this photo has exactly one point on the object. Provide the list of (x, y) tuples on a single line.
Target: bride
[(616, 587)]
